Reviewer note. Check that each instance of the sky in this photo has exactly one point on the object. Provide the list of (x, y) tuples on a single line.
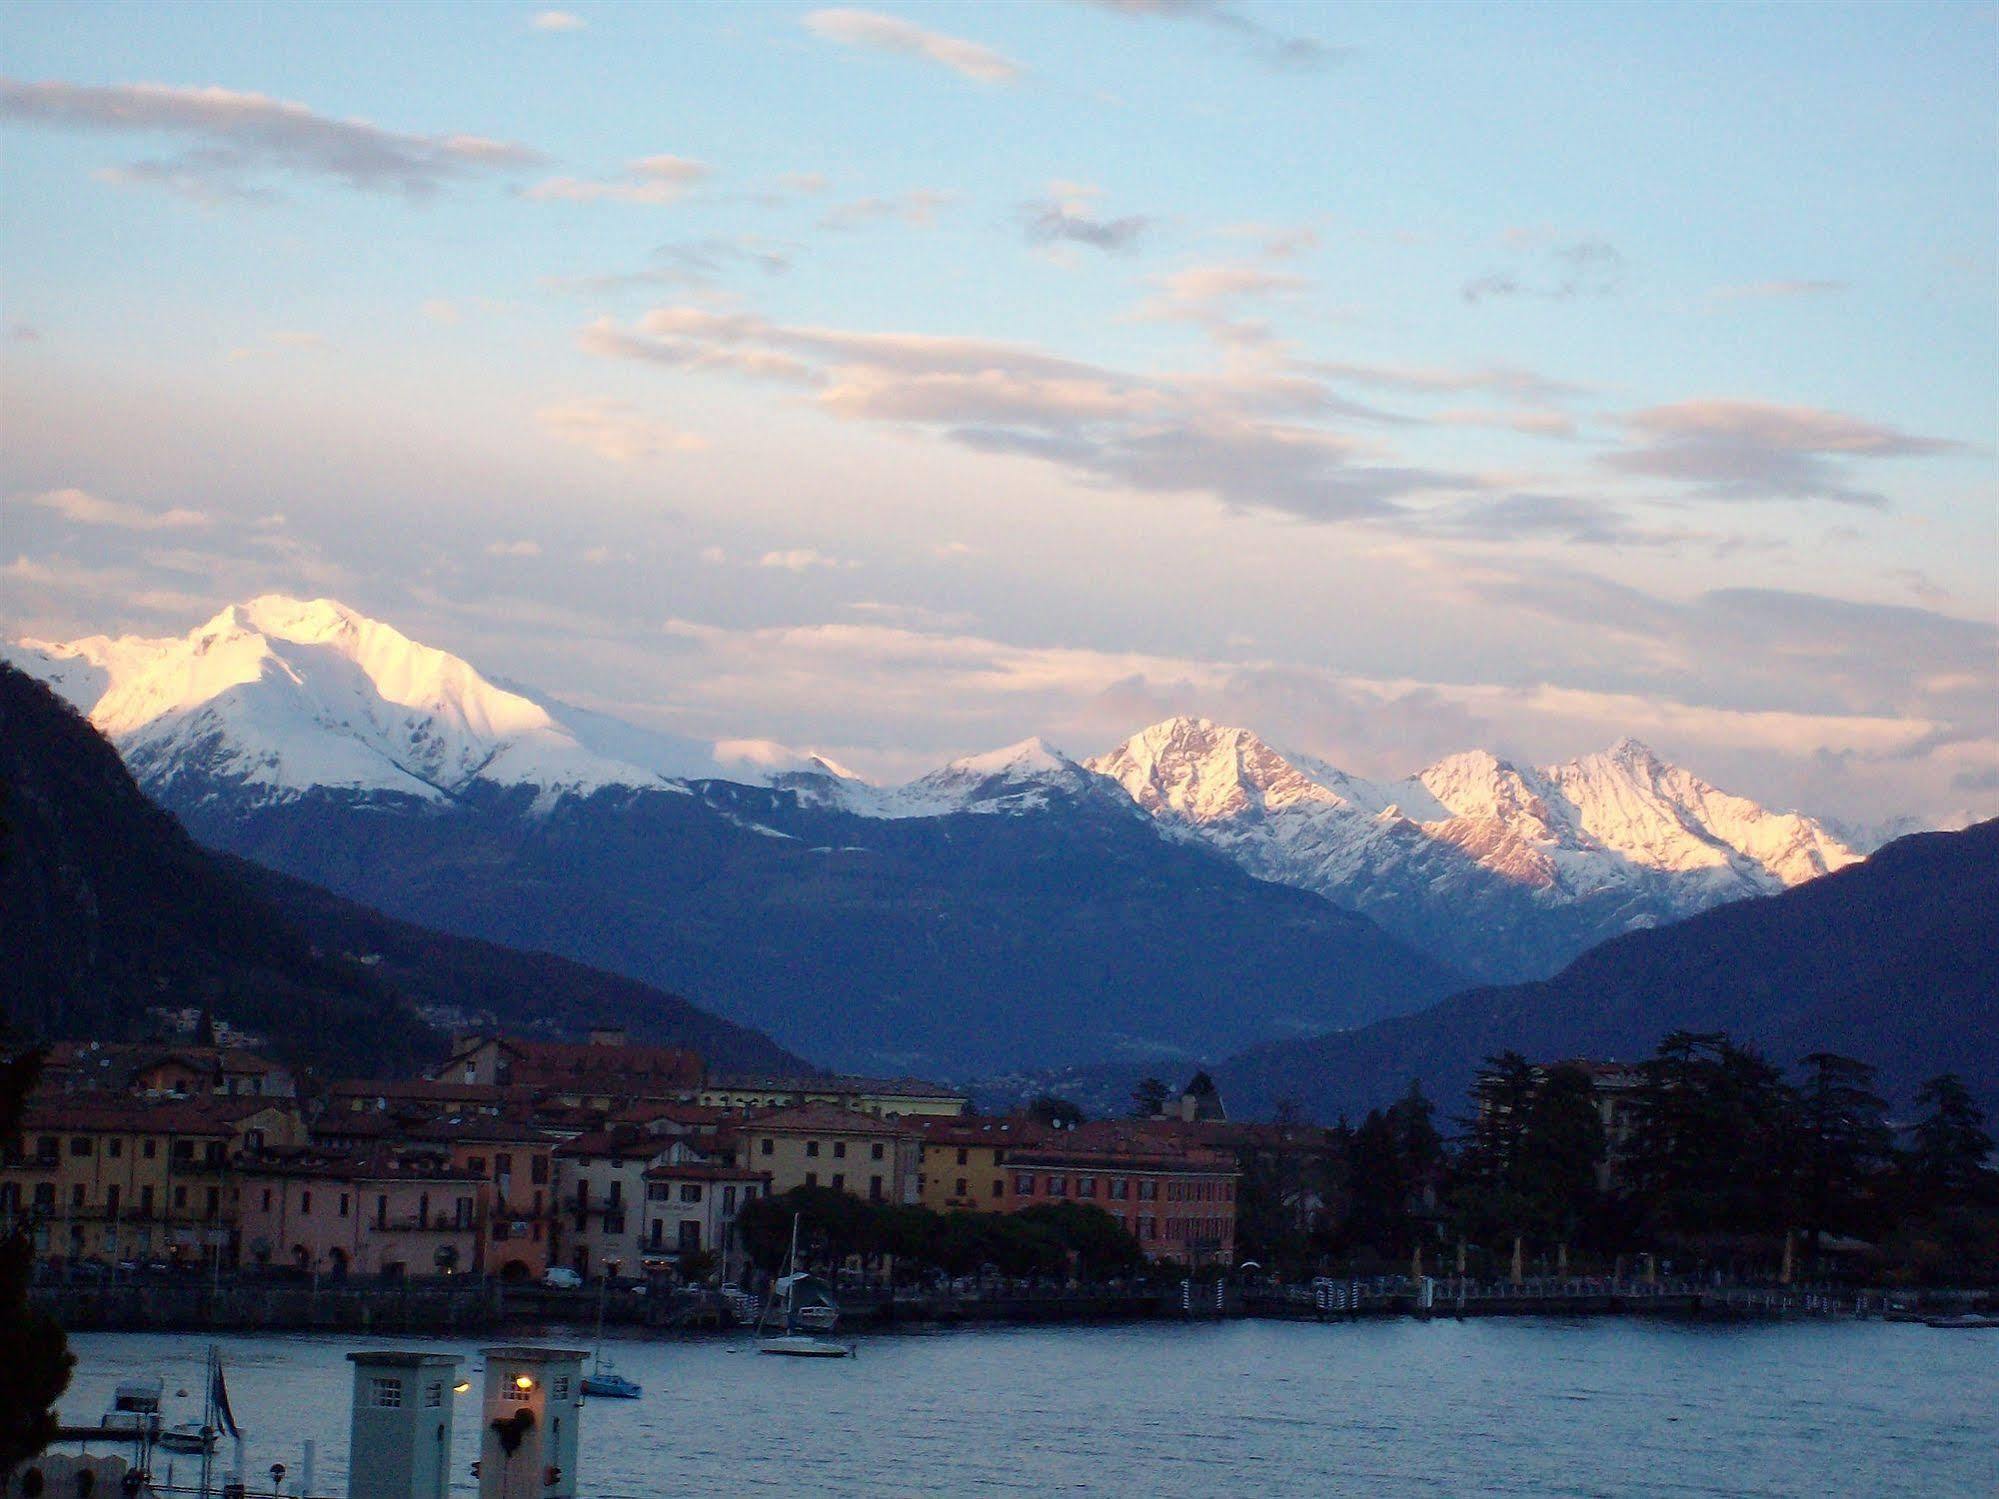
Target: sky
[(900, 383)]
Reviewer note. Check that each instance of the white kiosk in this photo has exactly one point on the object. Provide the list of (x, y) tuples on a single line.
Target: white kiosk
[(400, 1442), (527, 1442)]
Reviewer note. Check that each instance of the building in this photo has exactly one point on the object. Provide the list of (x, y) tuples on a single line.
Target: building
[(159, 1068), (964, 1160), (884, 1098), (515, 1157), (600, 1183), (1178, 1203), (386, 1212), (112, 1177), (601, 1073), (691, 1207), (818, 1145)]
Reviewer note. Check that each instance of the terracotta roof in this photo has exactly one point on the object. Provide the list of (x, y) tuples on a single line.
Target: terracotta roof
[(616, 1145), (880, 1087), (188, 1116), (1010, 1130), (822, 1119), (372, 1165)]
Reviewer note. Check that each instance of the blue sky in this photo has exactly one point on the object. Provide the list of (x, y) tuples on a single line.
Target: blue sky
[(901, 382)]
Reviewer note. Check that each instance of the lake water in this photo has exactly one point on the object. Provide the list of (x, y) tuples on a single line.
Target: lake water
[(1503, 1406)]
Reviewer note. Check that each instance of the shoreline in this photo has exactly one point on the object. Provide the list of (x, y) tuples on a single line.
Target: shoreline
[(486, 1309)]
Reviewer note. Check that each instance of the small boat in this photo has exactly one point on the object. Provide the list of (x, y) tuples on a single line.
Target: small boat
[(189, 1436), (603, 1380), (1963, 1321), (809, 1309)]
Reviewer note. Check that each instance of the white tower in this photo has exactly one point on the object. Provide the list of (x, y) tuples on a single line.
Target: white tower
[(527, 1442), (400, 1443)]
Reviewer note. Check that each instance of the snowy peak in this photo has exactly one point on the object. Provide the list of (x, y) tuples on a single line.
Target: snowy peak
[(1030, 776), (1197, 771), (282, 695)]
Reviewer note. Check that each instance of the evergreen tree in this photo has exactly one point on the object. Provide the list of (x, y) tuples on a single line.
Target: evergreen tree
[(1148, 1099), (1055, 1112), (1845, 1143), (1562, 1146), (1950, 1145)]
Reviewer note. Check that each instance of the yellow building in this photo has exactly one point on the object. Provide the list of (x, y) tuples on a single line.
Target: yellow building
[(120, 1178), (817, 1145), (964, 1160), (882, 1097)]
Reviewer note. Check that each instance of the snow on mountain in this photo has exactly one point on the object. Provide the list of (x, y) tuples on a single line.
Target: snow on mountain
[(279, 696), (1504, 868), (1026, 777)]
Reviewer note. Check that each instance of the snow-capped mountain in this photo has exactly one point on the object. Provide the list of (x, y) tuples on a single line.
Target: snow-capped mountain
[(278, 697), (1504, 870)]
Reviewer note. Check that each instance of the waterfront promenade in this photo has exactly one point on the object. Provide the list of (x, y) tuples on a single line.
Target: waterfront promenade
[(476, 1306)]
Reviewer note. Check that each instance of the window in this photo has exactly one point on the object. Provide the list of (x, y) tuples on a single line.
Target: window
[(765, 1147), (1120, 1187), (476, 1165), (45, 1195), (876, 1153), (183, 1150), (503, 1164), (267, 1199), (146, 1201), (690, 1191), (385, 1394), (963, 1187), (114, 1148), (1058, 1186), (80, 1145), (304, 1204), (47, 1147), (690, 1236), (839, 1150), (180, 1197), (111, 1200), (76, 1195), (1023, 1185), (343, 1204), (382, 1212), (875, 1188), (149, 1148), (560, 1389), (999, 1186), (464, 1214), (215, 1153), (839, 1181), (538, 1171), (1148, 1191), (214, 1204), (812, 1147), (728, 1199), (1086, 1186), (616, 1197), (433, 1395), (964, 1155), (812, 1178)]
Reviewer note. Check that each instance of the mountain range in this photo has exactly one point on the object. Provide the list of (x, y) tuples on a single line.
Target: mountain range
[(1894, 961), (1191, 891)]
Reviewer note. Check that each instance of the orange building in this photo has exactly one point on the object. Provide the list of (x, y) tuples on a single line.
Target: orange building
[(385, 1213), (1179, 1203)]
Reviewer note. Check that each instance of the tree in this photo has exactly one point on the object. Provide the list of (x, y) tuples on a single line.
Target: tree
[(1148, 1099), (1950, 1146), (1845, 1142), (36, 1368), (1054, 1112)]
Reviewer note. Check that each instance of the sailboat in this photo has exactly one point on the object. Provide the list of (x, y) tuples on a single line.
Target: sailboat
[(603, 1379), (809, 1309)]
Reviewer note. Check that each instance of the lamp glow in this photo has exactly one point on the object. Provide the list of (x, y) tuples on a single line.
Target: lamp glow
[(462, 1387), (523, 1381)]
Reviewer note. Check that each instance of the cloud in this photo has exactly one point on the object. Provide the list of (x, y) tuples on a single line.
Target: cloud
[(917, 208), (1070, 217), (1274, 49), (694, 262), (868, 28), (1249, 438), (1556, 273), (800, 560), (1776, 290), (650, 179), (238, 137), (513, 549), (1499, 380), (281, 339), (557, 20), (86, 509), (615, 430), (1751, 450)]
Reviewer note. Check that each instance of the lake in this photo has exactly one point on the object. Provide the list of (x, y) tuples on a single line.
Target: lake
[(1610, 1406)]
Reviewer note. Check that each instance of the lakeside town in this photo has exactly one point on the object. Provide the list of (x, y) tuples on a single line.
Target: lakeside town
[(622, 1169)]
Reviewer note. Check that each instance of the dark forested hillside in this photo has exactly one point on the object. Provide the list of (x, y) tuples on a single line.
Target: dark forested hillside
[(1894, 961), (108, 910)]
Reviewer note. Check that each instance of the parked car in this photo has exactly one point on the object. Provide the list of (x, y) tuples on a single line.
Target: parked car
[(561, 1278)]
